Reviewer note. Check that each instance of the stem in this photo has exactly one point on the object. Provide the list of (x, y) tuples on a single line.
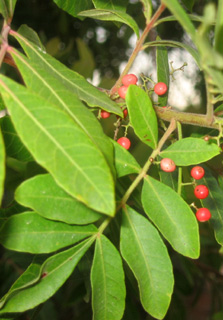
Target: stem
[(144, 170), (4, 45), (209, 109), (188, 118), (138, 47), (104, 225), (179, 128)]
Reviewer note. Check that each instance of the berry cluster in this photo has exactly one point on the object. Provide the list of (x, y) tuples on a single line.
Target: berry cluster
[(200, 191), (126, 81), (160, 89)]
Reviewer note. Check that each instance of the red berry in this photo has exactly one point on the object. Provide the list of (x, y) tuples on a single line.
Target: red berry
[(122, 91), (124, 142), (203, 214), (105, 114), (201, 192), (129, 79), (160, 88), (197, 172), (167, 165), (125, 113)]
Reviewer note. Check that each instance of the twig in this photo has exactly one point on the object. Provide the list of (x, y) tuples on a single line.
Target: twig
[(138, 47)]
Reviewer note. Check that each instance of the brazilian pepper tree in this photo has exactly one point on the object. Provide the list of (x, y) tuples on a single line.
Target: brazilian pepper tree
[(87, 228)]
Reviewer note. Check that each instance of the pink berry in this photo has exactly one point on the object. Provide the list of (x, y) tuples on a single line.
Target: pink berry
[(167, 165), (197, 172), (129, 79), (203, 214), (122, 91), (105, 114), (124, 142), (160, 88), (201, 192)]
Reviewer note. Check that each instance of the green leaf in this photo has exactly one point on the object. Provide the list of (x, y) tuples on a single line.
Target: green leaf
[(175, 44), (145, 253), (29, 232), (31, 36), (30, 276), (219, 111), (44, 196), (7, 9), (162, 71), (48, 71), (209, 57), (13, 144), (107, 281), (147, 9), (75, 6), (216, 76), (54, 272), (172, 216), (48, 85), (179, 13), (193, 17), (61, 147), (142, 115), (2, 166), (169, 178), (125, 163), (189, 151), (111, 4), (111, 15), (189, 4), (218, 43), (214, 203)]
